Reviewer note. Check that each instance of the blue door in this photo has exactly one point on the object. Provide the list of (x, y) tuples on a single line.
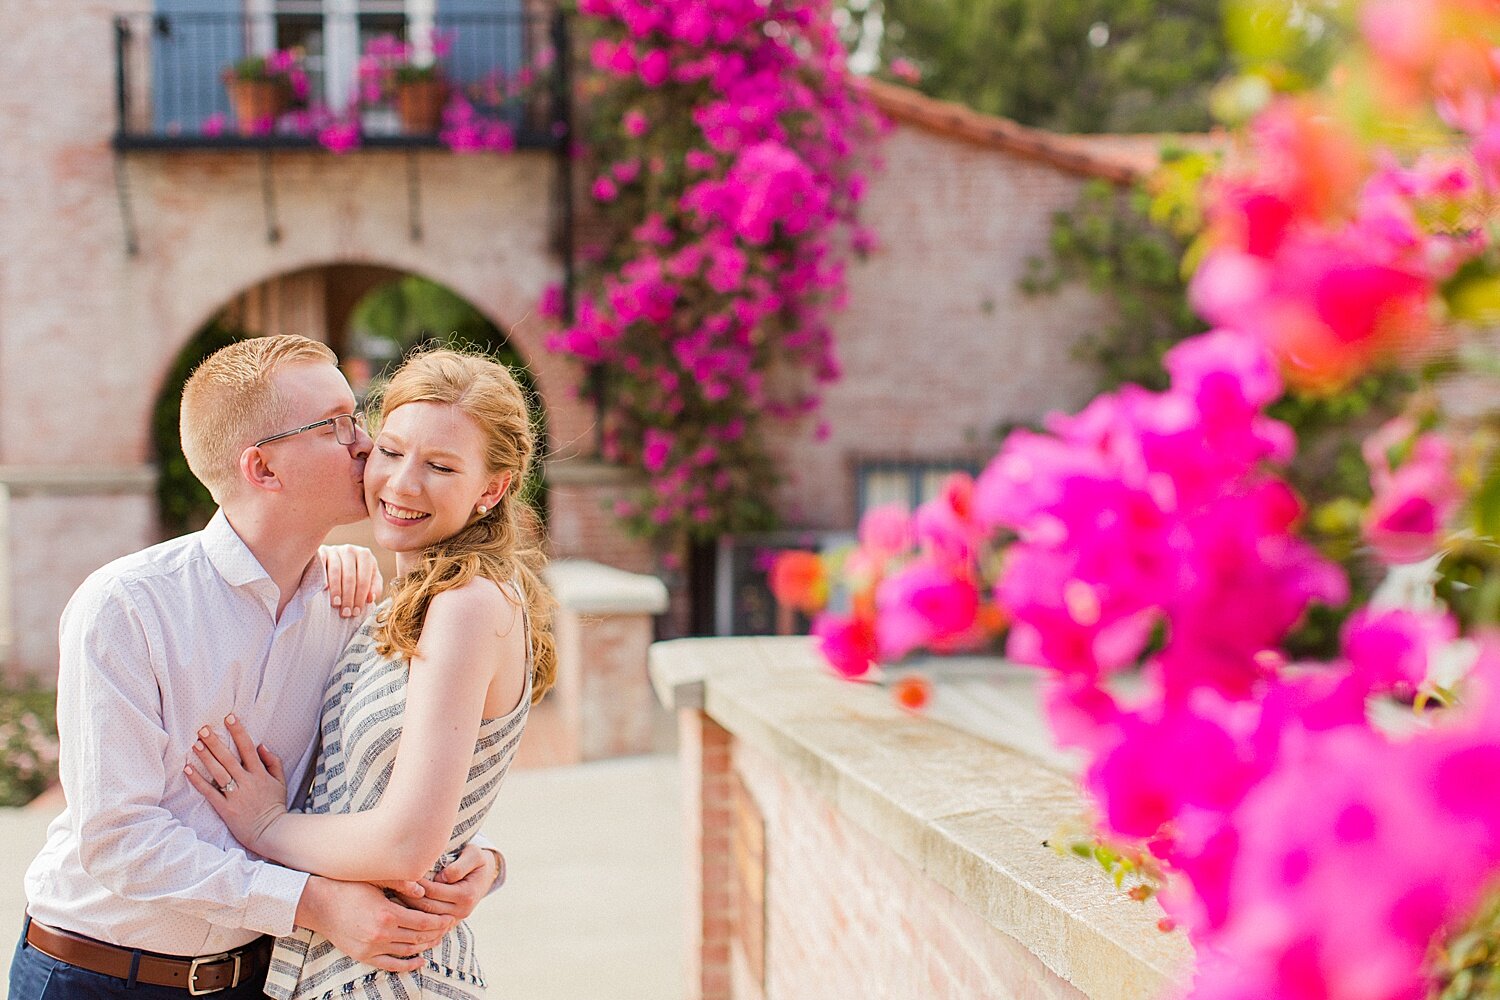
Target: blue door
[(192, 41), (489, 36)]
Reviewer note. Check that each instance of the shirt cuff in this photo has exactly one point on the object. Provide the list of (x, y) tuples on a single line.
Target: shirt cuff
[(484, 843), (271, 906)]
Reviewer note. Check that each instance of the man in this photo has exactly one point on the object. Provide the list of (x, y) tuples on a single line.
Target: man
[(140, 890)]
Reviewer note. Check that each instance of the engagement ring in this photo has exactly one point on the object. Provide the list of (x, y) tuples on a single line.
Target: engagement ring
[(228, 786)]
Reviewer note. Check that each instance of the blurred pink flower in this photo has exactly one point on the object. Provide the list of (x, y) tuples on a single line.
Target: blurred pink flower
[(848, 644), (1414, 500), (906, 71), (924, 605)]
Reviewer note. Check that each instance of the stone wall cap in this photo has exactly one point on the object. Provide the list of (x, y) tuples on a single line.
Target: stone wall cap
[(590, 472), (594, 588), (77, 480), (972, 814)]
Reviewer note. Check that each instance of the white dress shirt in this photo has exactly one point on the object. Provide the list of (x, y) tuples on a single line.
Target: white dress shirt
[(154, 646)]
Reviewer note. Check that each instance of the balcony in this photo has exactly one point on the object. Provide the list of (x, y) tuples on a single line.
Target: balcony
[(171, 94)]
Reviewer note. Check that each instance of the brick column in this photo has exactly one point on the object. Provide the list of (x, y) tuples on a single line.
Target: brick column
[(707, 798)]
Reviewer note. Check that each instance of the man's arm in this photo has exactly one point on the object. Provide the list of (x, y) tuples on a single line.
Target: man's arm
[(113, 746), (477, 871), (362, 923), (112, 759)]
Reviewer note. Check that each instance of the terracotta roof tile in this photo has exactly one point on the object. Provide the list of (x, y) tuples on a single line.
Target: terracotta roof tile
[(1121, 159)]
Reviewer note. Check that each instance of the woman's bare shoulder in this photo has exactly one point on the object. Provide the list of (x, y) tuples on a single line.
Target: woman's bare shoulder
[(480, 605)]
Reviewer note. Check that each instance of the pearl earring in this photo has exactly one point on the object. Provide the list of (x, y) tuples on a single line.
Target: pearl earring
[(482, 508)]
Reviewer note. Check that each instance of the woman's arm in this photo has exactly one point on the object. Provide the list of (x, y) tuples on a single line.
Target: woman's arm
[(471, 635)]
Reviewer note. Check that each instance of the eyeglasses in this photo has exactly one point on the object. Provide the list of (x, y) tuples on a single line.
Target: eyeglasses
[(343, 428)]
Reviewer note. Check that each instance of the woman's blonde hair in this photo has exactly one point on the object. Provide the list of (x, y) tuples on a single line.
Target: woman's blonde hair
[(499, 545)]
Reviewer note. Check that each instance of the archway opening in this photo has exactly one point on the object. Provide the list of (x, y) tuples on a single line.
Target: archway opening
[(372, 317)]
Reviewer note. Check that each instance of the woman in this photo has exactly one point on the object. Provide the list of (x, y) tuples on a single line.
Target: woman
[(447, 669)]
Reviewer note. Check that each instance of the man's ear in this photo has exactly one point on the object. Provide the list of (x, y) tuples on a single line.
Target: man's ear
[(255, 471)]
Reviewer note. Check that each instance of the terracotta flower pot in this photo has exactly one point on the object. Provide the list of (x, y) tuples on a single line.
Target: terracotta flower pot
[(419, 105), (257, 104)]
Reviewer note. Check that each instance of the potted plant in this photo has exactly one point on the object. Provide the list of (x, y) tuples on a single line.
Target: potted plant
[(420, 93), (414, 83), (262, 88)]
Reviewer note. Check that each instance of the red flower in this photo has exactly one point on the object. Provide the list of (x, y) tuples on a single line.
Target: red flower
[(913, 693), (800, 581)]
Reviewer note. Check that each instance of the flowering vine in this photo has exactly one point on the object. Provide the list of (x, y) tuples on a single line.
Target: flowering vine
[(727, 166), (1308, 851)]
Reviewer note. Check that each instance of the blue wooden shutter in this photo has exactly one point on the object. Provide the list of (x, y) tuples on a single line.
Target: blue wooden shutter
[(488, 35), (191, 43)]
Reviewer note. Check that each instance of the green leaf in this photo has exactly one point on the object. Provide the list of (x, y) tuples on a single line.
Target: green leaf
[(1475, 299)]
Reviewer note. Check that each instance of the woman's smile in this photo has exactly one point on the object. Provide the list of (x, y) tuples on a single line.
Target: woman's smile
[(402, 515)]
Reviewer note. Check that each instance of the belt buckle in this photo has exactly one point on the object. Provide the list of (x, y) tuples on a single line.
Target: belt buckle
[(192, 980)]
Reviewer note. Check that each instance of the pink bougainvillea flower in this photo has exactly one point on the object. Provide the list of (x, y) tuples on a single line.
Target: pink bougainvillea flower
[(604, 189), (658, 447), (340, 137), (1392, 650), (945, 526), (635, 123), (1171, 758), (906, 71), (551, 303), (885, 531), (847, 643), (654, 231), (214, 124), (924, 605), (1414, 502), (655, 67), (626, 171)]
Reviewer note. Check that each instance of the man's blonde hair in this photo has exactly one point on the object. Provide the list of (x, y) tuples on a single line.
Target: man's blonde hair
[(229, 403)]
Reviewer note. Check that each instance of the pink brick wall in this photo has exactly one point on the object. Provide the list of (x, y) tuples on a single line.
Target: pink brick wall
[(939, 345), (846, 916), (704, 749)]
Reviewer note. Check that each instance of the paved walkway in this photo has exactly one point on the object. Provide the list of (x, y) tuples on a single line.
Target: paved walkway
[(593, 905)]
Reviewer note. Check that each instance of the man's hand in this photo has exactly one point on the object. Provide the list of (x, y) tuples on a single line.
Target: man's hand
[(365, 925), (459, 887)]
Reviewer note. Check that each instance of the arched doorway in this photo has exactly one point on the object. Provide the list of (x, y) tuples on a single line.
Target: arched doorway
[(371, 316)]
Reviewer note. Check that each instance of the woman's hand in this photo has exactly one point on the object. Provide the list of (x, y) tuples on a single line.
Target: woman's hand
[(245, 785), (354, 578)]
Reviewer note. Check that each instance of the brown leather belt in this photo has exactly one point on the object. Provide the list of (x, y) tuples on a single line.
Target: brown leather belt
[(198, 976)]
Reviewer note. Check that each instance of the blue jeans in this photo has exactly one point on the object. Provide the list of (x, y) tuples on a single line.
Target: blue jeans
[(34, 976)]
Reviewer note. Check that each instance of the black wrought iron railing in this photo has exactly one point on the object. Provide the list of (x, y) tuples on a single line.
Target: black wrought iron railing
[(175, 73)]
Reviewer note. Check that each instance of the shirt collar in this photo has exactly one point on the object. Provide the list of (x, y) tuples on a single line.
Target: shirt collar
[(234, 561), (229, 553)]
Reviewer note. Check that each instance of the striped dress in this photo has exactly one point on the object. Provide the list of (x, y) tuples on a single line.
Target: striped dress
[(361, 727)]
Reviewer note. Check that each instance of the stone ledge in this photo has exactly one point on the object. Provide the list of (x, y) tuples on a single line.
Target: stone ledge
[(591, 472), (968, 813), (593, 588), (77, 480)]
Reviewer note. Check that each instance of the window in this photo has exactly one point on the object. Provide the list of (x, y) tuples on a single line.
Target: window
[(333, 33), (907, 484)]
